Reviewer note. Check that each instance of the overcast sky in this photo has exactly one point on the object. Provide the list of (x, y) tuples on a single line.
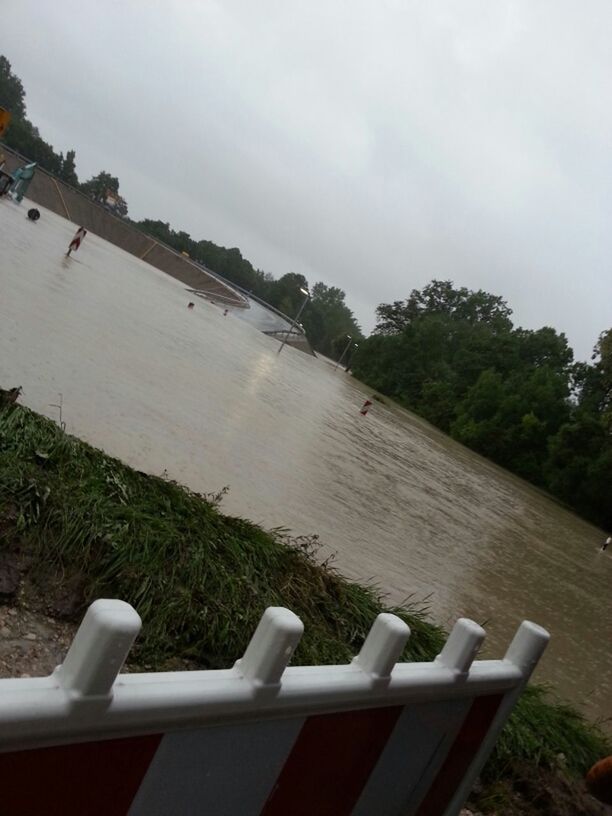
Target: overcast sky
[(372, 145)]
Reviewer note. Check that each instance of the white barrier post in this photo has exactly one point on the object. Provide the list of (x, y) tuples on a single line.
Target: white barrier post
[(461, 646), (271, 647), (383, 646), (99, 649), (524, 652), (527, 647)]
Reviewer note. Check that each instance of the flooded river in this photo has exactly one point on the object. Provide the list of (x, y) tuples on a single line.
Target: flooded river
[(207, 399)]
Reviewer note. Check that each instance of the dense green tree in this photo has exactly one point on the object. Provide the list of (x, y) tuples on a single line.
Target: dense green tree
[(441, 297), (157, 229), (97, 186), (510, 419), (579, 467), (597, 389), (329, 322), (68, 169), (12, 93), (25, 139), (448, 337), (285, 294), (579, 464)]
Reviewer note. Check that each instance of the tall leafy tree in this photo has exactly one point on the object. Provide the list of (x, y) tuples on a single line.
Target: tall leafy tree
[(285, 293), (599, 390), (511, 419), (12, 93), (579, 464), (97, 185), (579, 467), (68, 168), (442, 298), (328, 320)]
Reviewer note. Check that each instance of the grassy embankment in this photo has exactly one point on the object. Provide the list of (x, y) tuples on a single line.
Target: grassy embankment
[(200, 579)]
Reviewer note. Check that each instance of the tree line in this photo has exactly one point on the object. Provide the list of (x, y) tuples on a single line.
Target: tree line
[(513, 395), (327, 319)]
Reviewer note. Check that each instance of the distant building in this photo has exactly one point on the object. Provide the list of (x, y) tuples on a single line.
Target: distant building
[(115, 203)]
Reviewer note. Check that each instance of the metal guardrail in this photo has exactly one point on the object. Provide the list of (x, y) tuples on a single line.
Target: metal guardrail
[(212, 296), (285, 333), (252, 296)]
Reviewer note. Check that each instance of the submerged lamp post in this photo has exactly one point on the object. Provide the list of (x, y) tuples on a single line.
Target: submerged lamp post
[(346, 348), (350, 357), (306, 294)]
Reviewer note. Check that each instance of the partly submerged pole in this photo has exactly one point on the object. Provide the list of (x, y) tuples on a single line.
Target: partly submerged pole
[(346, 348), (295, 319)]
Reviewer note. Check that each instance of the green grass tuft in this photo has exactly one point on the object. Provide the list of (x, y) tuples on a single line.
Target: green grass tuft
[(544, 731)]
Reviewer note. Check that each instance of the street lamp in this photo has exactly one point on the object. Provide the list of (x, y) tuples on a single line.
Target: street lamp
[(346, 348), (350, 357), (306, 294)]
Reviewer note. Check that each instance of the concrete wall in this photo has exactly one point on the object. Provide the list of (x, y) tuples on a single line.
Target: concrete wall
[(62, 199)]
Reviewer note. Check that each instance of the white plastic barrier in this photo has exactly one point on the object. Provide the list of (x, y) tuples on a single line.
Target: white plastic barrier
[(372, 738)]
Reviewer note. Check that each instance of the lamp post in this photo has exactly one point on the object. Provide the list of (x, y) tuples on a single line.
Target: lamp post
[(346, 348), (350, 357), (306, 294)]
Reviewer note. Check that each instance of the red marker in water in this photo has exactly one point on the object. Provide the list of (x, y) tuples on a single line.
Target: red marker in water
[(365, 407), (76, 241)]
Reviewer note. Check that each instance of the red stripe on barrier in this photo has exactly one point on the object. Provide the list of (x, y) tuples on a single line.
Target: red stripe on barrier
[(92, 778), (463, 751), (331, 762)]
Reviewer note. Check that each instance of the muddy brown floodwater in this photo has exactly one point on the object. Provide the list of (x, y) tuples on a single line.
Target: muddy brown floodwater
[(207, 399)]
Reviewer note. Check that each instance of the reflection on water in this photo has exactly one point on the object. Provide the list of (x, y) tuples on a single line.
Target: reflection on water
[(208, 399)]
